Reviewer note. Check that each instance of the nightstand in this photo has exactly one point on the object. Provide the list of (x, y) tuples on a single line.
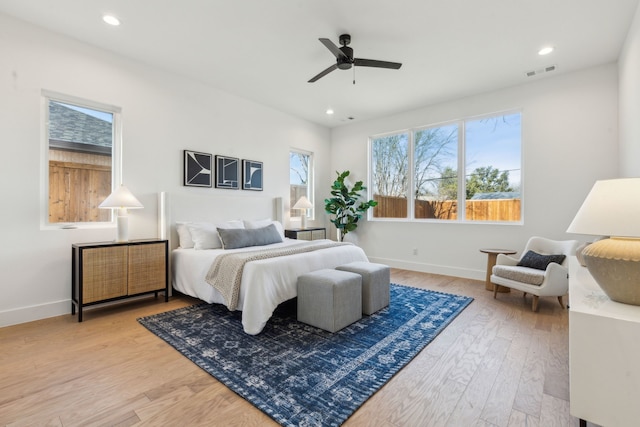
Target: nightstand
[(309, 233), (109, 271)]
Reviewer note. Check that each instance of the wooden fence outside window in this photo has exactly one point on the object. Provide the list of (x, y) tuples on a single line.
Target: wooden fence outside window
[(508, 210), (78, 183)]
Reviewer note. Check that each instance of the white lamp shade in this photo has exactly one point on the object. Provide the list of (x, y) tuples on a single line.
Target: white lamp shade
[(612, 208), (121, 198), (303, 203)]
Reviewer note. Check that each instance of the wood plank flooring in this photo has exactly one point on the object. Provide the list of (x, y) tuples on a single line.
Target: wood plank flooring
[(496, 364)]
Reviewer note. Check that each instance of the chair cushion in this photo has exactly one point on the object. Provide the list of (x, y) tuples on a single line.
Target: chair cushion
[(531, 276), (535, 260)]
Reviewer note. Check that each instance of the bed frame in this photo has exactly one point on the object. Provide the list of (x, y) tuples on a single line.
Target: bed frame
[(200, 207), (206, 207)]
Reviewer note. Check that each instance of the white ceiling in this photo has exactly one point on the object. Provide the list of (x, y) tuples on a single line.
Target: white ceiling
[(267, 50)]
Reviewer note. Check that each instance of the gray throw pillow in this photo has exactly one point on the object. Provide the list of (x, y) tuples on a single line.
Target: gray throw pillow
[(535, 260), (233, 238)]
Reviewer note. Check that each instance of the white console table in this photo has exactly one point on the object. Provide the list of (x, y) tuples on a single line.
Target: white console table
[(604, 354)]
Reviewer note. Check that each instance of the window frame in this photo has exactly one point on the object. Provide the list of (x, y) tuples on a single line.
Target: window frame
[(461, 165), (116, 155), (310, 182)]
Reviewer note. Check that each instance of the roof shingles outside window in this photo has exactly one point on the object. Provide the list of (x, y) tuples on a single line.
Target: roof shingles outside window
[(74, 130)]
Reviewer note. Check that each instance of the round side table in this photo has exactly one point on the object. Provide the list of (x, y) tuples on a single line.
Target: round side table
[(492, 255)]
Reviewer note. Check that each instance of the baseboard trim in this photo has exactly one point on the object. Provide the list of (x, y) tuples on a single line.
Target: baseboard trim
[(432, 268), (59, 308), (34, 312)]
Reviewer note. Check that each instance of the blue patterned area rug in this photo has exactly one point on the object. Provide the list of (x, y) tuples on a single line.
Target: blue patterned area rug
[(301, 375)]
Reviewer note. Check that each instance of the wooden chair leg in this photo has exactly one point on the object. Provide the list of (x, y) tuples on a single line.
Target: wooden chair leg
[(524, 295), (495, 290), (560, 301), (534, 306)]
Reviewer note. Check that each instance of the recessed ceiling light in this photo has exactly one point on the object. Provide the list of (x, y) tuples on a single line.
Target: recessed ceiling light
[(545, 50), (329, 111), (111, 20)]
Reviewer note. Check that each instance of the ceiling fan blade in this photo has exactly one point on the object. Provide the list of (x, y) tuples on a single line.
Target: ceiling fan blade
[(374, 63), (333, 48), (323, 73)]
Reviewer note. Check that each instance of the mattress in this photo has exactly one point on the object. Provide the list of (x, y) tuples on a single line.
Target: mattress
[(265, 283)]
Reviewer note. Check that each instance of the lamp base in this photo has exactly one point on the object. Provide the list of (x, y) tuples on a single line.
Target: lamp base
[(615, 265), (122, 222)]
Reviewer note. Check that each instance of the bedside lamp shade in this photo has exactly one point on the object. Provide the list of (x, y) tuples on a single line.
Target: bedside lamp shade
[(121, 199), (303, 204), (612, 208)]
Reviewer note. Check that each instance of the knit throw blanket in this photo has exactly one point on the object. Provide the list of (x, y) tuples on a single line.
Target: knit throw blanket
[(225, 273)]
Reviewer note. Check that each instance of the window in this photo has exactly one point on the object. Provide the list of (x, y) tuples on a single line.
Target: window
[(435, 177), (486, 149), (390, 169), (300, 179), (80, 151), (493, 168)]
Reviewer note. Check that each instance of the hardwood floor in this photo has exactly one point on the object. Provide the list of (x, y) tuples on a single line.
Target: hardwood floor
[(496, 364)]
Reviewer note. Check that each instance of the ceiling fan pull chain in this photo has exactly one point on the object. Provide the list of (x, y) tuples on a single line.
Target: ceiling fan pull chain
[(354, 74)]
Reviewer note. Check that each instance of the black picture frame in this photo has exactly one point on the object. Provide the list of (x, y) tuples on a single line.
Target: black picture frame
[(252, 175), (227, 172), (197, 169)]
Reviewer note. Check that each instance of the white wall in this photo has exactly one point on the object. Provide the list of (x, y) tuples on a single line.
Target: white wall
[(569, 126), (163, 114), (629, 72)]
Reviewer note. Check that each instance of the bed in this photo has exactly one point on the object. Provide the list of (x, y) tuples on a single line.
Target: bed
[(264, 283)]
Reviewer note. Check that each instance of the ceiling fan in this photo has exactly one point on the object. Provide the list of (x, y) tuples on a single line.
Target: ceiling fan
[(345, 59)]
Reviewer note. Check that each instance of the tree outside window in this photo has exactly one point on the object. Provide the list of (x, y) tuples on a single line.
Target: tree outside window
[(435, 151), (493, 168), (390, 171)]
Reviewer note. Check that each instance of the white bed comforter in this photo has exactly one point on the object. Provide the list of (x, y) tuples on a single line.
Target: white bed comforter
[(265, 283)]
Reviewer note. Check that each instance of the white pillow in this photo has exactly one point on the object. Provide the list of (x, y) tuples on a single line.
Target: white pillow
[(205, 234), (184, 235), (261, 223)]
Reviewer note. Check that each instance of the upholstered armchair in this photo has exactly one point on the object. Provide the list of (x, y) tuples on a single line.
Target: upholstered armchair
[(541, 270)]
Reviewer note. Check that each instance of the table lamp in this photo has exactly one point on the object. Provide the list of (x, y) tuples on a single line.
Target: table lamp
[(122, 199), (303, 204), (612, 208)]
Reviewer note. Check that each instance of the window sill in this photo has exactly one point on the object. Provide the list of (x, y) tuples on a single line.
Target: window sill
[(78, 226)]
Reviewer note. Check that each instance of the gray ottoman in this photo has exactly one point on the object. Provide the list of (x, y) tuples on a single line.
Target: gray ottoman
[(329, 299), (375, 284)]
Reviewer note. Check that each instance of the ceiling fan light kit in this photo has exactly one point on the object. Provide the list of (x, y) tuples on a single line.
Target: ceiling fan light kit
[(345, 59)]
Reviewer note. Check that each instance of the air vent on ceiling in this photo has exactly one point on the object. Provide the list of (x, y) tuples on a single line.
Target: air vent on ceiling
[(540, 71)]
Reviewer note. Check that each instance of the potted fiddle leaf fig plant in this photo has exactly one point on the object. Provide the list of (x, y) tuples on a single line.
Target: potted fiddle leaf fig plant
[(346, 205)]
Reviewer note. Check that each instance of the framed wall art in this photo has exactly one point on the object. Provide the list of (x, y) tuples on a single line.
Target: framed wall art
[(251, 175), (227, 172), (197, 169)]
